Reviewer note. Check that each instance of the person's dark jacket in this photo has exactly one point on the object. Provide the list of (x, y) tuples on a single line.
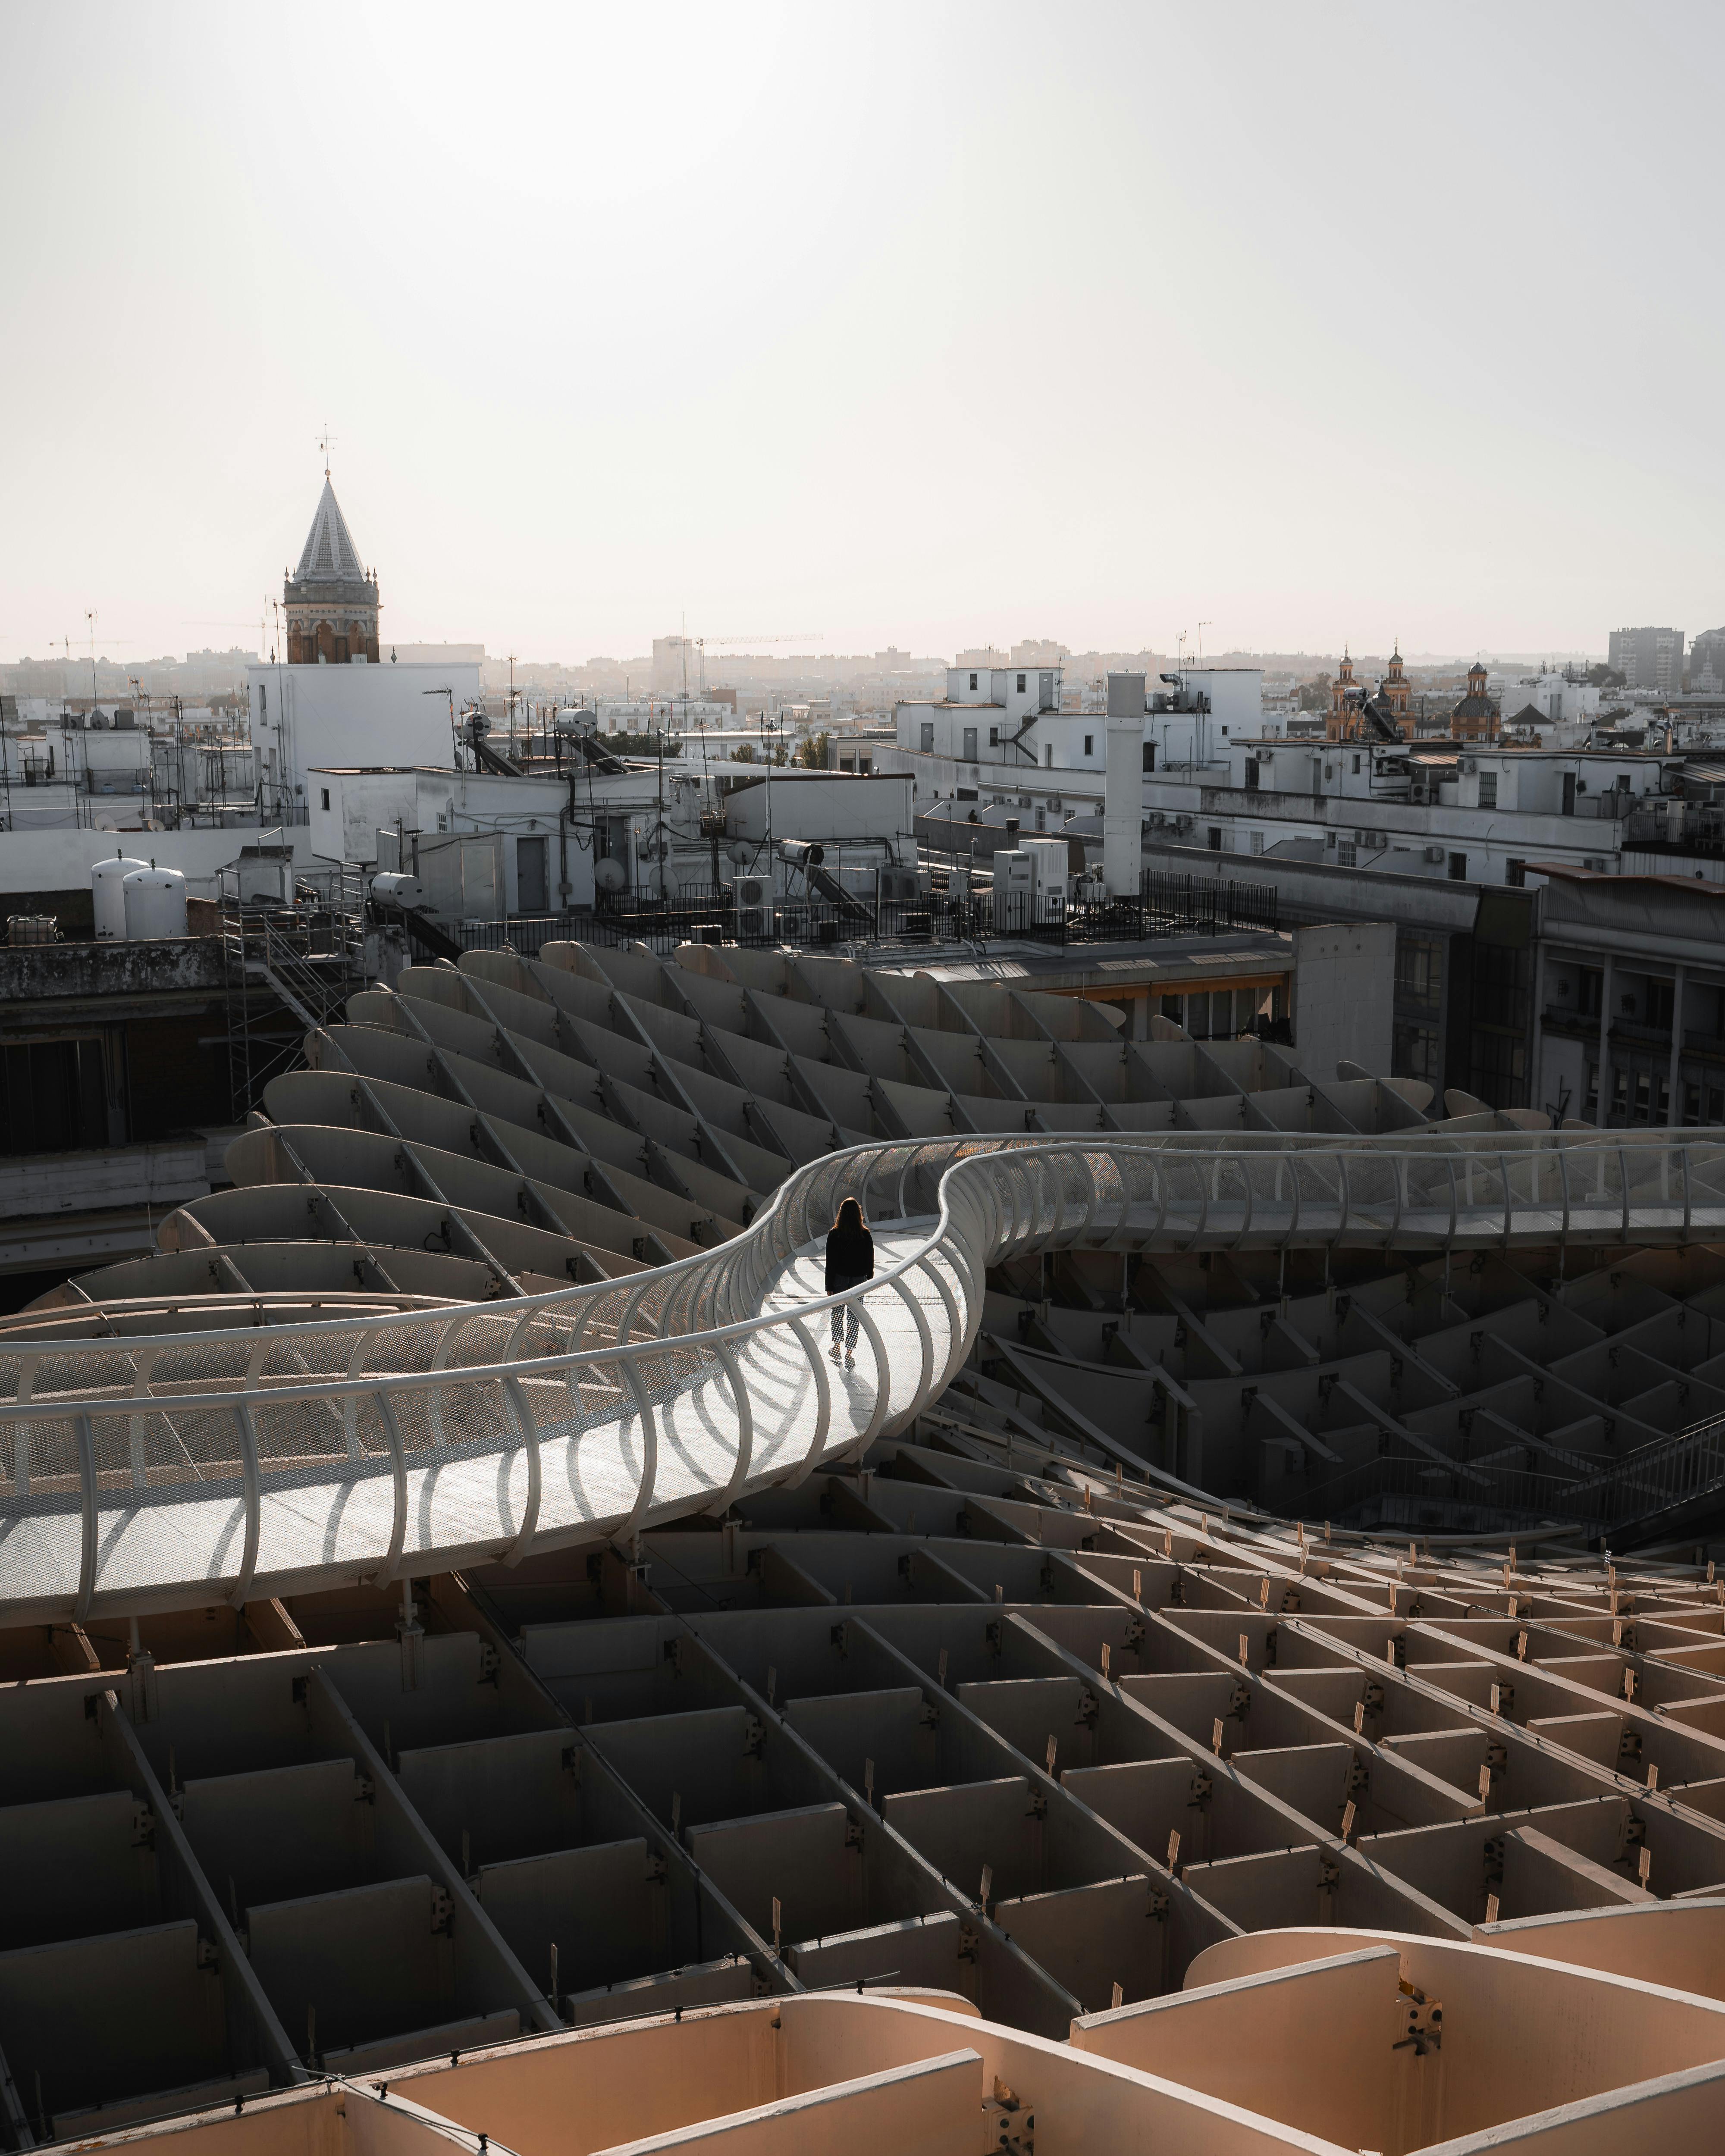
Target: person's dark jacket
[(851, 1257)]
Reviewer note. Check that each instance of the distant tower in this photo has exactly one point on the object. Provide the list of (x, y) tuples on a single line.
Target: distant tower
[(331, 601), (1475, 718), (1344, 691), (1393, 687)]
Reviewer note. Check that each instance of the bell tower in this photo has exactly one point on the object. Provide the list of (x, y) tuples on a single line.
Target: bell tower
[(1341, 693), (1394, 688), (330, 600)]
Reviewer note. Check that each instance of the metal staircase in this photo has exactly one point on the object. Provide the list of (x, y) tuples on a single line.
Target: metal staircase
[(287, 969)]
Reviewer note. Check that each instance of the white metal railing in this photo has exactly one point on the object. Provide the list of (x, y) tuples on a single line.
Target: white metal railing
[(172, 1470)]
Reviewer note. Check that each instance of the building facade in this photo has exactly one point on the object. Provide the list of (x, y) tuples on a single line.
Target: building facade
[(1629, 1000), (1648, 658), (1706, 662), (676, 666), (1002, 737)]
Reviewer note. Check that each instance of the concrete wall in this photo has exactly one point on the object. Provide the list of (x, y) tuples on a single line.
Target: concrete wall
[(827, 806), (349, 808), (97, 972), (306, 716), (1344, 992), (61, 861)]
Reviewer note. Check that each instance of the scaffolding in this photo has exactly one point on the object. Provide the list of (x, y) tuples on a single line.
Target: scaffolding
[(288, 967)]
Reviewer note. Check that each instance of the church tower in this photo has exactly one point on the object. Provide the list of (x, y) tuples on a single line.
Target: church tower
[(1394, 688), (331, 601), (1475, 718), (1344, 691)]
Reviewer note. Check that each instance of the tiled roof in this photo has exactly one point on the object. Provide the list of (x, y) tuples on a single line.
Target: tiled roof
[(330, 555)]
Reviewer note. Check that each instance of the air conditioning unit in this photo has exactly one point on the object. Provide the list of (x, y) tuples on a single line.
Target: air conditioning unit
[(749, 891), (1435, 854), (1469, 765), (1014, 892)]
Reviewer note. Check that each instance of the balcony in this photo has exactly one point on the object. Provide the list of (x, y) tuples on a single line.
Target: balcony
[(1634, 1034)]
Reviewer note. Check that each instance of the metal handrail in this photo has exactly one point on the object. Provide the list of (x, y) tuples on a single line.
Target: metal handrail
[(992, 1198), (882, 1158)]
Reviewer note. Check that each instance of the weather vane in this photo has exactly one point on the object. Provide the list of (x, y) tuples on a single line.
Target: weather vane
[(325, 442)]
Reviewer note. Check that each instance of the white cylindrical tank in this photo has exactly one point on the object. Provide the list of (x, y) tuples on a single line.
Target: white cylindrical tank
[(392, 889), (155, 903), (107, 880)]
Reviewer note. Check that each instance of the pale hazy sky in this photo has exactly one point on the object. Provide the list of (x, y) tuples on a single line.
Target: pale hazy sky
[(927, 325)]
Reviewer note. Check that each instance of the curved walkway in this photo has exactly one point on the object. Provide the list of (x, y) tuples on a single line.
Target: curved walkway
[(148, 1473)]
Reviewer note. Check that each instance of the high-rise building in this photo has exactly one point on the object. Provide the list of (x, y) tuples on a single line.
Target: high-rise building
[(675, 666), (1707, 660), (1649, 658)]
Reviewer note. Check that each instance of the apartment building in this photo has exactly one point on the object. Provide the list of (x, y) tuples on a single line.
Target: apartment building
[(1648, 658), (1628, 1001), (1000, 736), (1451, 810)]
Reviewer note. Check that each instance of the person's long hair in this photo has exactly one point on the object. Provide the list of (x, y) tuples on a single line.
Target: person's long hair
[(848, 1218)]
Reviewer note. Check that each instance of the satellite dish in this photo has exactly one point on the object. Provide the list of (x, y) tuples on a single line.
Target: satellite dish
[(740, 855), (609, 875)]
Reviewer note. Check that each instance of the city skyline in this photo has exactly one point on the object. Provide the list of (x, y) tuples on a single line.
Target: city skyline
[(916, 325)]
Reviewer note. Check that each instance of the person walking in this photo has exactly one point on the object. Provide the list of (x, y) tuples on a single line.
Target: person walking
[(850, 1261)]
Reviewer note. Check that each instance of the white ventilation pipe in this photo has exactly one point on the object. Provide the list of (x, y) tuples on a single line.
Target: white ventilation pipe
[(1123, 804)]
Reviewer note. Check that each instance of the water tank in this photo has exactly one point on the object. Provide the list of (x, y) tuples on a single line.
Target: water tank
[(155, 903), (107, 880), (391, 889)]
